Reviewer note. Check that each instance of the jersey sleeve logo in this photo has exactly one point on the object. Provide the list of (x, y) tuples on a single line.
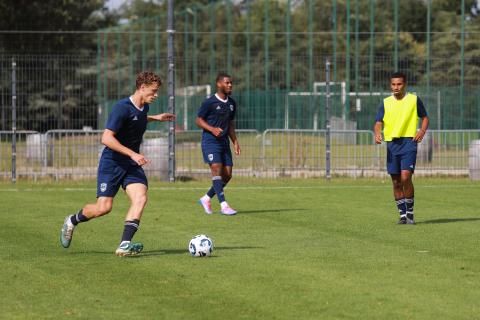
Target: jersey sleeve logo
[(231, 107), (210, 157), (103, 187)]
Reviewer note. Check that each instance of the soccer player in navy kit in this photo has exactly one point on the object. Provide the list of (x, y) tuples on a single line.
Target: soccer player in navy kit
[(399, 114), (121, 163), (216, 118)]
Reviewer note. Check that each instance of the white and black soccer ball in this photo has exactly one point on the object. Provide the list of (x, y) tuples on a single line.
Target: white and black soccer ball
[(201, 246)]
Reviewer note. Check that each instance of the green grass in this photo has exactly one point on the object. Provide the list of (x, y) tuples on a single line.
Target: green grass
[(299, 249)]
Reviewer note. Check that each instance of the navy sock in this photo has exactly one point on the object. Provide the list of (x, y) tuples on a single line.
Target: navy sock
[(79, 217), (217, 183), (211, 192), (409, 204), (401, 207), (131, 226)]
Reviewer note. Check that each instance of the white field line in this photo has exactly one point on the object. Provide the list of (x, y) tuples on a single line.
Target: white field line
[(266, 188)]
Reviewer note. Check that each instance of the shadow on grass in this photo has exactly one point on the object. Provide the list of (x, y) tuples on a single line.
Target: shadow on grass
[(270, 211), (185, 251), (448, 220), (158, 252)]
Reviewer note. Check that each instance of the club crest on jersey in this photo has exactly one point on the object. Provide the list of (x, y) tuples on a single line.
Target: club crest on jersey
[(210, 157), (103, 187), (218, 108), (135, 118), (231, 107)]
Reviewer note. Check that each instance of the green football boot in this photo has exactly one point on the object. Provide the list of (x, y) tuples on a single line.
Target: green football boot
[(129, 249), (67, 232)]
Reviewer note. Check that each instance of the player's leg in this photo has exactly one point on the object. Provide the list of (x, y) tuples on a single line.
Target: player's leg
[(226, 172), (89, 211), (399, 196), (226, 177), (136, 186), (211, 156), (393, 168), (408, 163), (109, 175)]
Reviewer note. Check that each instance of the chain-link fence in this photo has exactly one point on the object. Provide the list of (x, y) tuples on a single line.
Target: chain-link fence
[(273, 153), (276, 52)]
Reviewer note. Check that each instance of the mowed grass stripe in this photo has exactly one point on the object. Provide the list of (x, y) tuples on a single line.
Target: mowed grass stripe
[(332, 253)]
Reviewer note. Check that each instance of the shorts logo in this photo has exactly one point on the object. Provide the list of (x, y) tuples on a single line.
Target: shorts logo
[(231, 107), (210, 157), (103, 187)]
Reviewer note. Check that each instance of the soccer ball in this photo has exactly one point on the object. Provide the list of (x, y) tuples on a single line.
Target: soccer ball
[(201, 246)]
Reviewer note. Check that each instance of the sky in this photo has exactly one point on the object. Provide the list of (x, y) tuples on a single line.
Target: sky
[(115, 4)]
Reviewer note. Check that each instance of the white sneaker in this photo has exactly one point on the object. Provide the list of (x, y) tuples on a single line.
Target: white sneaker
[(227, 210), (206, 204)]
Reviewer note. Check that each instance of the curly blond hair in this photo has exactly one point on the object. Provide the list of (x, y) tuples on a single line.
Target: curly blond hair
[(147, 78)]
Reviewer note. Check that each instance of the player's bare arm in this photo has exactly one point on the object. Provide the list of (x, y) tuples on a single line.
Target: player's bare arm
[(163, 117), (377, 129), (233, 137), (217, 132), (423, 130), (109, 140)]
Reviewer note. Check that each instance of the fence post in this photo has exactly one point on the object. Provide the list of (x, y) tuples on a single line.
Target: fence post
[(171, 91), (14, 121), (327, 121)]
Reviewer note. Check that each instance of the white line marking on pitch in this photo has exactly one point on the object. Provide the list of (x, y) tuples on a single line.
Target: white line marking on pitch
[(236, 188)]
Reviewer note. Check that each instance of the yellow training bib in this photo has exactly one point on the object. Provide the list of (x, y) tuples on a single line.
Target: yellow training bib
[(400, 118)]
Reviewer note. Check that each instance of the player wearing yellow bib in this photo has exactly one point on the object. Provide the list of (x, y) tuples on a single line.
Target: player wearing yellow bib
[(398, 115)]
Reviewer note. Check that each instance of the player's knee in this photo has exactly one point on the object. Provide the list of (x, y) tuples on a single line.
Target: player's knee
[(397, 184), (406, 180), (226, 178), (140, 200), (216, 171), (104, 208)]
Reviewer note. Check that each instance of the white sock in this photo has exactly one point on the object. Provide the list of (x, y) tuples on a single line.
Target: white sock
[(123, 243), (224, 204), (206, 197)]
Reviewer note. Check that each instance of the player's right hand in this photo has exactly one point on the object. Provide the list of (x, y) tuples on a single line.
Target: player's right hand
[(139, 159), (378, 138), (217, 132)]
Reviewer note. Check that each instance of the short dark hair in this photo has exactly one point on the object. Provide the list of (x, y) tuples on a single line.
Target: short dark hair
[(147, 78), (221, 75), (399, 74)]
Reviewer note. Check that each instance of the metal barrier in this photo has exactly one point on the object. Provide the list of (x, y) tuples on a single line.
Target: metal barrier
[(275, 153), (189, 157), (302, 153), (445, 152), (29, 151)]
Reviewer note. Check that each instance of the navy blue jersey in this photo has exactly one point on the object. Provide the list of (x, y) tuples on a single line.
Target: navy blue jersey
[(421, 111), (129, 125), (217, 113)]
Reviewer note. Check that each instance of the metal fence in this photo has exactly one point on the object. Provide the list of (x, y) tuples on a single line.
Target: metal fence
[(273, 153)]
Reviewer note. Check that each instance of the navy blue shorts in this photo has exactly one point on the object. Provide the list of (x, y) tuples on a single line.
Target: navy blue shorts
[(217, 152), (112, 175), (401, 155)]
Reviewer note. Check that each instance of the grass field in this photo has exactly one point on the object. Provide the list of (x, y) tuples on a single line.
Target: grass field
[(301, 249)]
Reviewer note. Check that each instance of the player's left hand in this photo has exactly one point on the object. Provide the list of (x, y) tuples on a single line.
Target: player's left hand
[(164, 117), (236, 148), (419, 136)]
